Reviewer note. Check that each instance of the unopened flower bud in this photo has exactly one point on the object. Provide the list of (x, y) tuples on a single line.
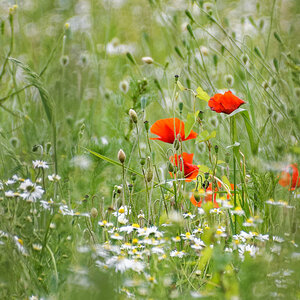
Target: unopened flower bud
[(176, 144), (142, 161), (130, 187), (229, 79), (245, 59), (64, 60), (216, 149), (146, 125), (121, 156), (180, 105), (147, 60), (200, 115), (133, 115), (170, 167), (133, 177), (204, 50), (94, 212), (206, 175), (149, 175), (124, 86), (196, 196)]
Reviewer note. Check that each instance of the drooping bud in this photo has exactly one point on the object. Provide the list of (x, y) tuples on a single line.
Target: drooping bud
[(133, 116), (147, 60), (121, 156), (196, 196), (94, 212), (170, 167)]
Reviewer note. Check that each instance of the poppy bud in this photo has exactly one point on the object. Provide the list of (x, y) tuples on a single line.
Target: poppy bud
[(121, 156), (189, 15), (170, 167), (133, 177), (142, 161), (200, 115), (180, 106), (64, 60), (146, 125), (196, 196), (149, 175), (94, 212), (147, 60), (261, 23), (176, 144), (130, 58), (265, 85), (176, 78), (206, 175), (215, 59), (229, 79), (14, 142), (130, 187), (217, 149), (133, 116), (227, 157), (245, 59)]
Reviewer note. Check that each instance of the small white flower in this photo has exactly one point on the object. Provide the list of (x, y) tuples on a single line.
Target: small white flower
[(189, 215), (278, 239), (116, 236), (40, 164), (238, 211), (104, 223), (176, 253), (54, 177), (37, 247)]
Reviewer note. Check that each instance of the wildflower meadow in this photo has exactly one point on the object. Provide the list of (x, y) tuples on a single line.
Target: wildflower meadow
[(149, 149)]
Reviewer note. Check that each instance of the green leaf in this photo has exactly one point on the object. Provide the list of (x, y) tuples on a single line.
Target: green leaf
[(181, 87), (202, 95), (220, 162), (190, 122), (204, 136), (204, 169)]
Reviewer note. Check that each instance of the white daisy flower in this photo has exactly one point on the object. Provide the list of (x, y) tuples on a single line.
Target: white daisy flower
[(40, 164)]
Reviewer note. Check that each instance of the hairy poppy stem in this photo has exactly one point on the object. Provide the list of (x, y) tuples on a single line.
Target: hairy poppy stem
[(233, 139)]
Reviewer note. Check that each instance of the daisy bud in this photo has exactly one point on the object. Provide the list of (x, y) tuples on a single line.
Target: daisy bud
[(94, 212), (204, 50), (124, 86), (147, 60), (133, 116), (265, 85), (119, 189), (121, 156), (206, 175)]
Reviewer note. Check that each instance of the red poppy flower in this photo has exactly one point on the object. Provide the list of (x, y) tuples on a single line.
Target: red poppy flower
[(190, 170), (290, 177), (168, 129), (208, 196), (226, 103)]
